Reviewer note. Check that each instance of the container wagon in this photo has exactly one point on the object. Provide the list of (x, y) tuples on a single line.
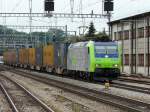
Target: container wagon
[(15, 57), (23, 57), (5, 57), (39, 58), (10, 57), (60, 57), (32, 58), (48, 58)]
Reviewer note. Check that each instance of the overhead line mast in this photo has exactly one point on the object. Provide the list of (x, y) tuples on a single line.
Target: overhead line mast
[(72, 7), (30, 20)]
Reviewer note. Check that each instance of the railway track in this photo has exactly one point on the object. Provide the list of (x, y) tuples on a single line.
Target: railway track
[(11, 103), (20, 99), (119, 84), (100, 96), (5, 105), (134, 80)]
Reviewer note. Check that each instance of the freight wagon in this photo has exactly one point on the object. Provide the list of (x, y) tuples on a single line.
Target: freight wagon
[(9, 57), (32, 58), (5, 57), (15, 57), (60, 60), (48, 58), (39, 58), (23, 57)]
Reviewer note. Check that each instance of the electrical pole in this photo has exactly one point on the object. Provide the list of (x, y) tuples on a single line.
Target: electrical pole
[(109, 19), (72, 8), (5, 38), (132, 47), (102, 6), (30, 21), (148, 50)]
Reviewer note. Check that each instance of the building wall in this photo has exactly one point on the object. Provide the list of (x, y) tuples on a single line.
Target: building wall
[(137, 62)]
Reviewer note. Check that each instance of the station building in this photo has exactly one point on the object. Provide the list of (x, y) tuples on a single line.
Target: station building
[(133, 33)]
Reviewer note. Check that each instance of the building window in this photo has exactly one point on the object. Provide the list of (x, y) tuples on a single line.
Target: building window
[(141, 59), (120, 35), (126, 61), (133, 58), (126, 34), (147, 31), (133, 33), (115, 35), (147, 59), (141, 32)]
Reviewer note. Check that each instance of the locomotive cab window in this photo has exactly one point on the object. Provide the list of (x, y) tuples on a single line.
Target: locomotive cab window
[(100, 49), (112, 50)]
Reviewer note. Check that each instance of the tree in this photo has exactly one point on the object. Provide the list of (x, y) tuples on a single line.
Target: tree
[(92, 30)]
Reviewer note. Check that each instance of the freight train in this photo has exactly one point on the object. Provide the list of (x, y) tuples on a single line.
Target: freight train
[(88, 60)]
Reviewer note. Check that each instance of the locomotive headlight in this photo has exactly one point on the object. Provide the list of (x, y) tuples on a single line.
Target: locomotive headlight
[(98, 65), (106, 56), (116, 65)]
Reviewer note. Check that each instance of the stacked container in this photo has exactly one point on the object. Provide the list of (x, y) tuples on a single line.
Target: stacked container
[(26, 57), (31, 54), (39, 58), (10, 57), (23, 57), (14, 57), (5, 57), (60, 54), (48, 57)]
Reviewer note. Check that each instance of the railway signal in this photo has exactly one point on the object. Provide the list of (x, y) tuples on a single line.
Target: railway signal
[(108, 5), (49, 5)]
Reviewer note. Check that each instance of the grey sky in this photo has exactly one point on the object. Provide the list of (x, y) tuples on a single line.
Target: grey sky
[(123, 8)]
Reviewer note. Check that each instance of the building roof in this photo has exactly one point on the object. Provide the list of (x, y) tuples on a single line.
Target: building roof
[(131, 17)]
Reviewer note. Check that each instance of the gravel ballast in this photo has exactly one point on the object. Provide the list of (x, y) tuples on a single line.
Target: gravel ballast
[(59, 100), (116, 91)]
